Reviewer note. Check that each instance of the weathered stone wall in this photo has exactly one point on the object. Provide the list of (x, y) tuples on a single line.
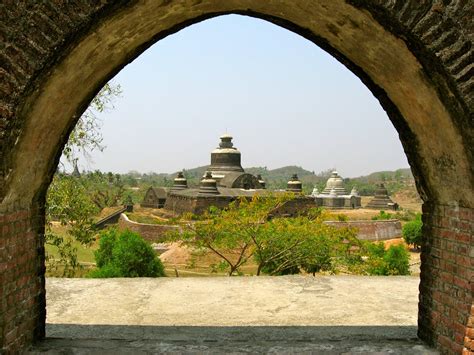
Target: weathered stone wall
[(154, 233), (112, 218), (372, 230), (446, 312), (294, 207)]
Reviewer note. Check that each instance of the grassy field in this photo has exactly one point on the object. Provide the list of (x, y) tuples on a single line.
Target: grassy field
[(85, 255)]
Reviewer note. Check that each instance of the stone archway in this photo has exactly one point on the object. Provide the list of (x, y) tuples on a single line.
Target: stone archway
[(416, 58)]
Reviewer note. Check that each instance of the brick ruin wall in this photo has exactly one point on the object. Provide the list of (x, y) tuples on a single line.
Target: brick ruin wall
[(294, 207), (446, 312), (22, 282), (153, 233), (372, 230)]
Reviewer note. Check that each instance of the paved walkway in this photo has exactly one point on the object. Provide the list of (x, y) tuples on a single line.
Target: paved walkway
[(337, 314)]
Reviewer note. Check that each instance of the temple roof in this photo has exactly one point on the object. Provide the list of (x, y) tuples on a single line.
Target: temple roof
[(226, 157), (226, 145), (159, 192)]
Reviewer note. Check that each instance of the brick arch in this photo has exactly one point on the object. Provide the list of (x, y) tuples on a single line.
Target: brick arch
[(415, 57)]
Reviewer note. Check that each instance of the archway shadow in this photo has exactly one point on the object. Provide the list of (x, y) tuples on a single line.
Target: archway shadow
[(230, 339)]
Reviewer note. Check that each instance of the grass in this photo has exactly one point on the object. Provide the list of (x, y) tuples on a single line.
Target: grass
[(85, 255)]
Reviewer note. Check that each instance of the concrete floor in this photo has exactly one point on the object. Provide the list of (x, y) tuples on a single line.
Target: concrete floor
[(337, 314)]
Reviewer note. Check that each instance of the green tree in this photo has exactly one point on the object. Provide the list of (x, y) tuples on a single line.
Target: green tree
[(379, 261), (125, 254), (86, 135), (412, 232), (69, 205), (397, 259), (245, 230), (68, 200)]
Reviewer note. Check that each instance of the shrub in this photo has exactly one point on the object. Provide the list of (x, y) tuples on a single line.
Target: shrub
[(393, 261), (412, 232), (103, 255), (382, 216), (342, 217), (397, 260), (125, 254), (376, 249), (107, 271)]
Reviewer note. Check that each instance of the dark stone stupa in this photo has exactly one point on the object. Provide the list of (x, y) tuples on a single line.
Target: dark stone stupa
[(226, 158), (294, 185), (224, 182), (180, 182), (381, 200), (208, 185)]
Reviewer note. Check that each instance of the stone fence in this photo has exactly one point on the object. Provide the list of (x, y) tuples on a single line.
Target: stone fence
[(372, 230), (153, 233), (366, 230)]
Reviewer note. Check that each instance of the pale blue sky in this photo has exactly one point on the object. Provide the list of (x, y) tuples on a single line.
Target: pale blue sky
[(285, 101)]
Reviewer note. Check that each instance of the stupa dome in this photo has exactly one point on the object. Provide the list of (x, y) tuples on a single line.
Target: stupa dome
[(180, 182), (294, 185), (381, 200), (381, 191), (208, 185), (226, 157), (335, 182)]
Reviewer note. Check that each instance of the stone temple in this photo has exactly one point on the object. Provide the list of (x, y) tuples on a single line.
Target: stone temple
[(381, 200), (335, 195), (224, 182)]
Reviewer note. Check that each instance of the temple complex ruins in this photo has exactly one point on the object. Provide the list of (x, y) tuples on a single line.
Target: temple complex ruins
[(225, 181)]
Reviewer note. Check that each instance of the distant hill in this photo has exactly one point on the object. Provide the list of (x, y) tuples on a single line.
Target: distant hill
[(387, 175)]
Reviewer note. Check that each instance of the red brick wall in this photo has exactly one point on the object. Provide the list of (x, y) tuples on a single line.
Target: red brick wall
[(22, 288), (445, 308), (372, 230), (153, 233)]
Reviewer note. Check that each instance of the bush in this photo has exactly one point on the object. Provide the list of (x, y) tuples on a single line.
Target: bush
[(397, 260), (382, 216), (342, 217), (412, 232), (107, 271), (107, 240), (376, 249), (125, 254)]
